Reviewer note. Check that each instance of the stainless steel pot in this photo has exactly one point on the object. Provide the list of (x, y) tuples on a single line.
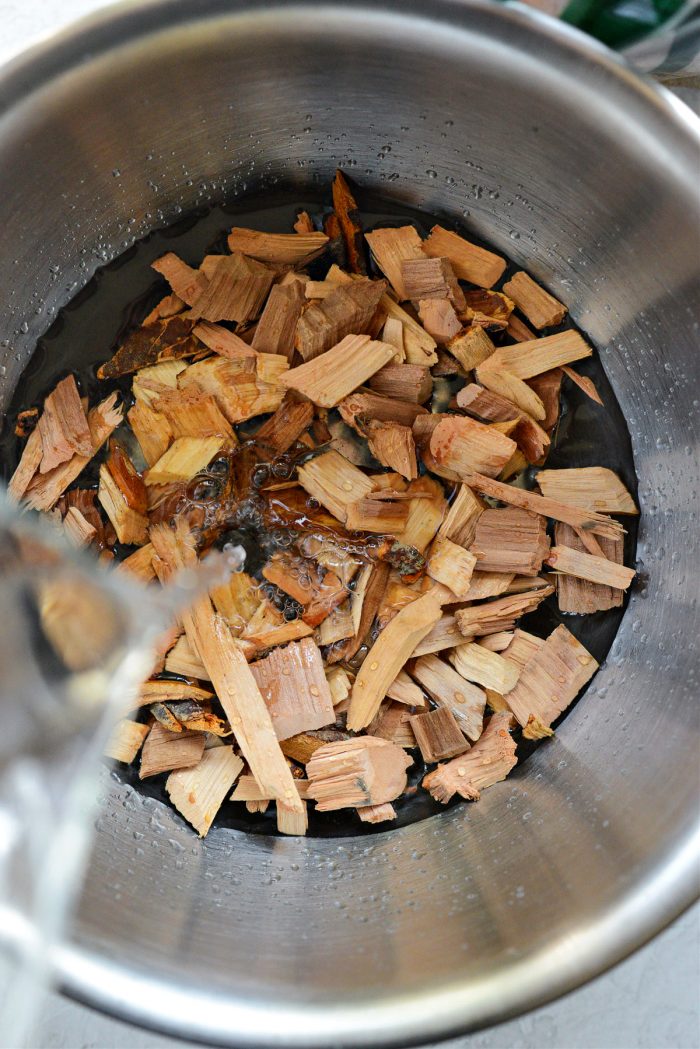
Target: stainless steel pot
[(586, 174)]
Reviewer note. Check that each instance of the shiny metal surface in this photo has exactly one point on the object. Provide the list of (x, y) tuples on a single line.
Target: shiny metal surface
[(570, 164)]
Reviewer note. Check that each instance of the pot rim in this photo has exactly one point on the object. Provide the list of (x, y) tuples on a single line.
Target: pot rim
[(670, 888)]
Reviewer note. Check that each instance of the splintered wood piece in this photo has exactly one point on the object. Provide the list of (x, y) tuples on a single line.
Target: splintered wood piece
[(186, 282), (578, 595), (464, 446), (583, 383), (469, 262), (425, 278), (168, 339), (471, 347), (125, 741), (461, 519), (510, 540), (330, 377), (497, 642), (78, 530), (495, 378), (301, 748), (519, 331), (527, 359), (294, 249), (139, 564), (598, 570), (236, 290), (549, 682), (197, 793), (426, 511), (165, 691), (522, 647), (439, 319), (356, 773), (339, 682), (226, 665), (588, 487), (149, 383), (130, 525), (192, 413), (451, 691), (485, 404), (377, 813), (393, 723), (164, 750), (438, 734), (492, 309), (349, 309), (44, 491), (540, 308), (185, 457), (405, 382), (63, 426), (256, 642), (151, 430), (489, 669), (392, 332), (394, 447), (501, 614), (364, 406), (182, 659), (452, 566), (538, 504), (418, 345), (278, 322), (237, 600), (304, 223), (445, 634), (348, 215), (288, 423), (490, 584), (390, 247), (405, 691), (389, 653), (364, 604), (243, 388), (377, 515), (294, 687), (222, 341), (27, 466), (334, 481), (489, 761), (547, 387), (167, 307)]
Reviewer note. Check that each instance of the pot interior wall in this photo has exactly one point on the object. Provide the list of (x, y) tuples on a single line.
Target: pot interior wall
[(569, 166)]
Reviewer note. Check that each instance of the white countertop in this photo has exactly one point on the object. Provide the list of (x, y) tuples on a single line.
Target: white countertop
[(650, 1001)]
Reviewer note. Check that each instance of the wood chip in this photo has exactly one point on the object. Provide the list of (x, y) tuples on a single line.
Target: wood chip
[(192, 413), (235, 291), (125, 741), (577, 595), (168, 339), (44, 491), (469, 262), (452, 566), (489, 761), (139, 564), (477, 664), (377, 813), (494, 377), (334, 482), (510, 540), (584, 383), (364, 406), (243, 388), (540, 308), (284, 428), (538, 504), (471, 347), (164, 751), (27, 468), (186, 282), (197, 793), (404, 690), (63, 426), (461, 519), (528, 359), (130, 525), (425, 515), (501, 614), (492, 309), (592, 488), (439, 319), (222, 341), (405, 382), (186, 457), (549, 682), (599, 570), (296, 249), (294, 687), (356, 773), (330, 377), (450, 690), (390, 247), (387, 656), (425, 278), (345, 207), (377, 515), (276, 328), (347, 310), (78, 530), (393, 446), (151, 430), (438, 735), (464, 446)]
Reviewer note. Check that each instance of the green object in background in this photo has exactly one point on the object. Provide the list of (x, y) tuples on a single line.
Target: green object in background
[(619, 23)]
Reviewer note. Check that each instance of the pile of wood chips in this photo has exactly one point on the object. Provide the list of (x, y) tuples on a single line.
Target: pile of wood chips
[(406, 578)]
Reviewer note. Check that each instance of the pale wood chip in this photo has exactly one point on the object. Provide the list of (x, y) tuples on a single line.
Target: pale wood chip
[(295, 249), (439, 319), (578, 595), (510, 540), (164, 750), (589, 487), (186, 457), (197, 793), (496, 378), (334, 481), (377, 813), (125, 741), (540, 308), (330, 377), (528, 359), (489, 669), (462, 516), (462, 446), (390, 247), (63, 426), (27, 467), (469, 262), (186, 282), (278, 322), (356, 773), (449, 689), (594, 569), (471, 347), (452, 566)]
